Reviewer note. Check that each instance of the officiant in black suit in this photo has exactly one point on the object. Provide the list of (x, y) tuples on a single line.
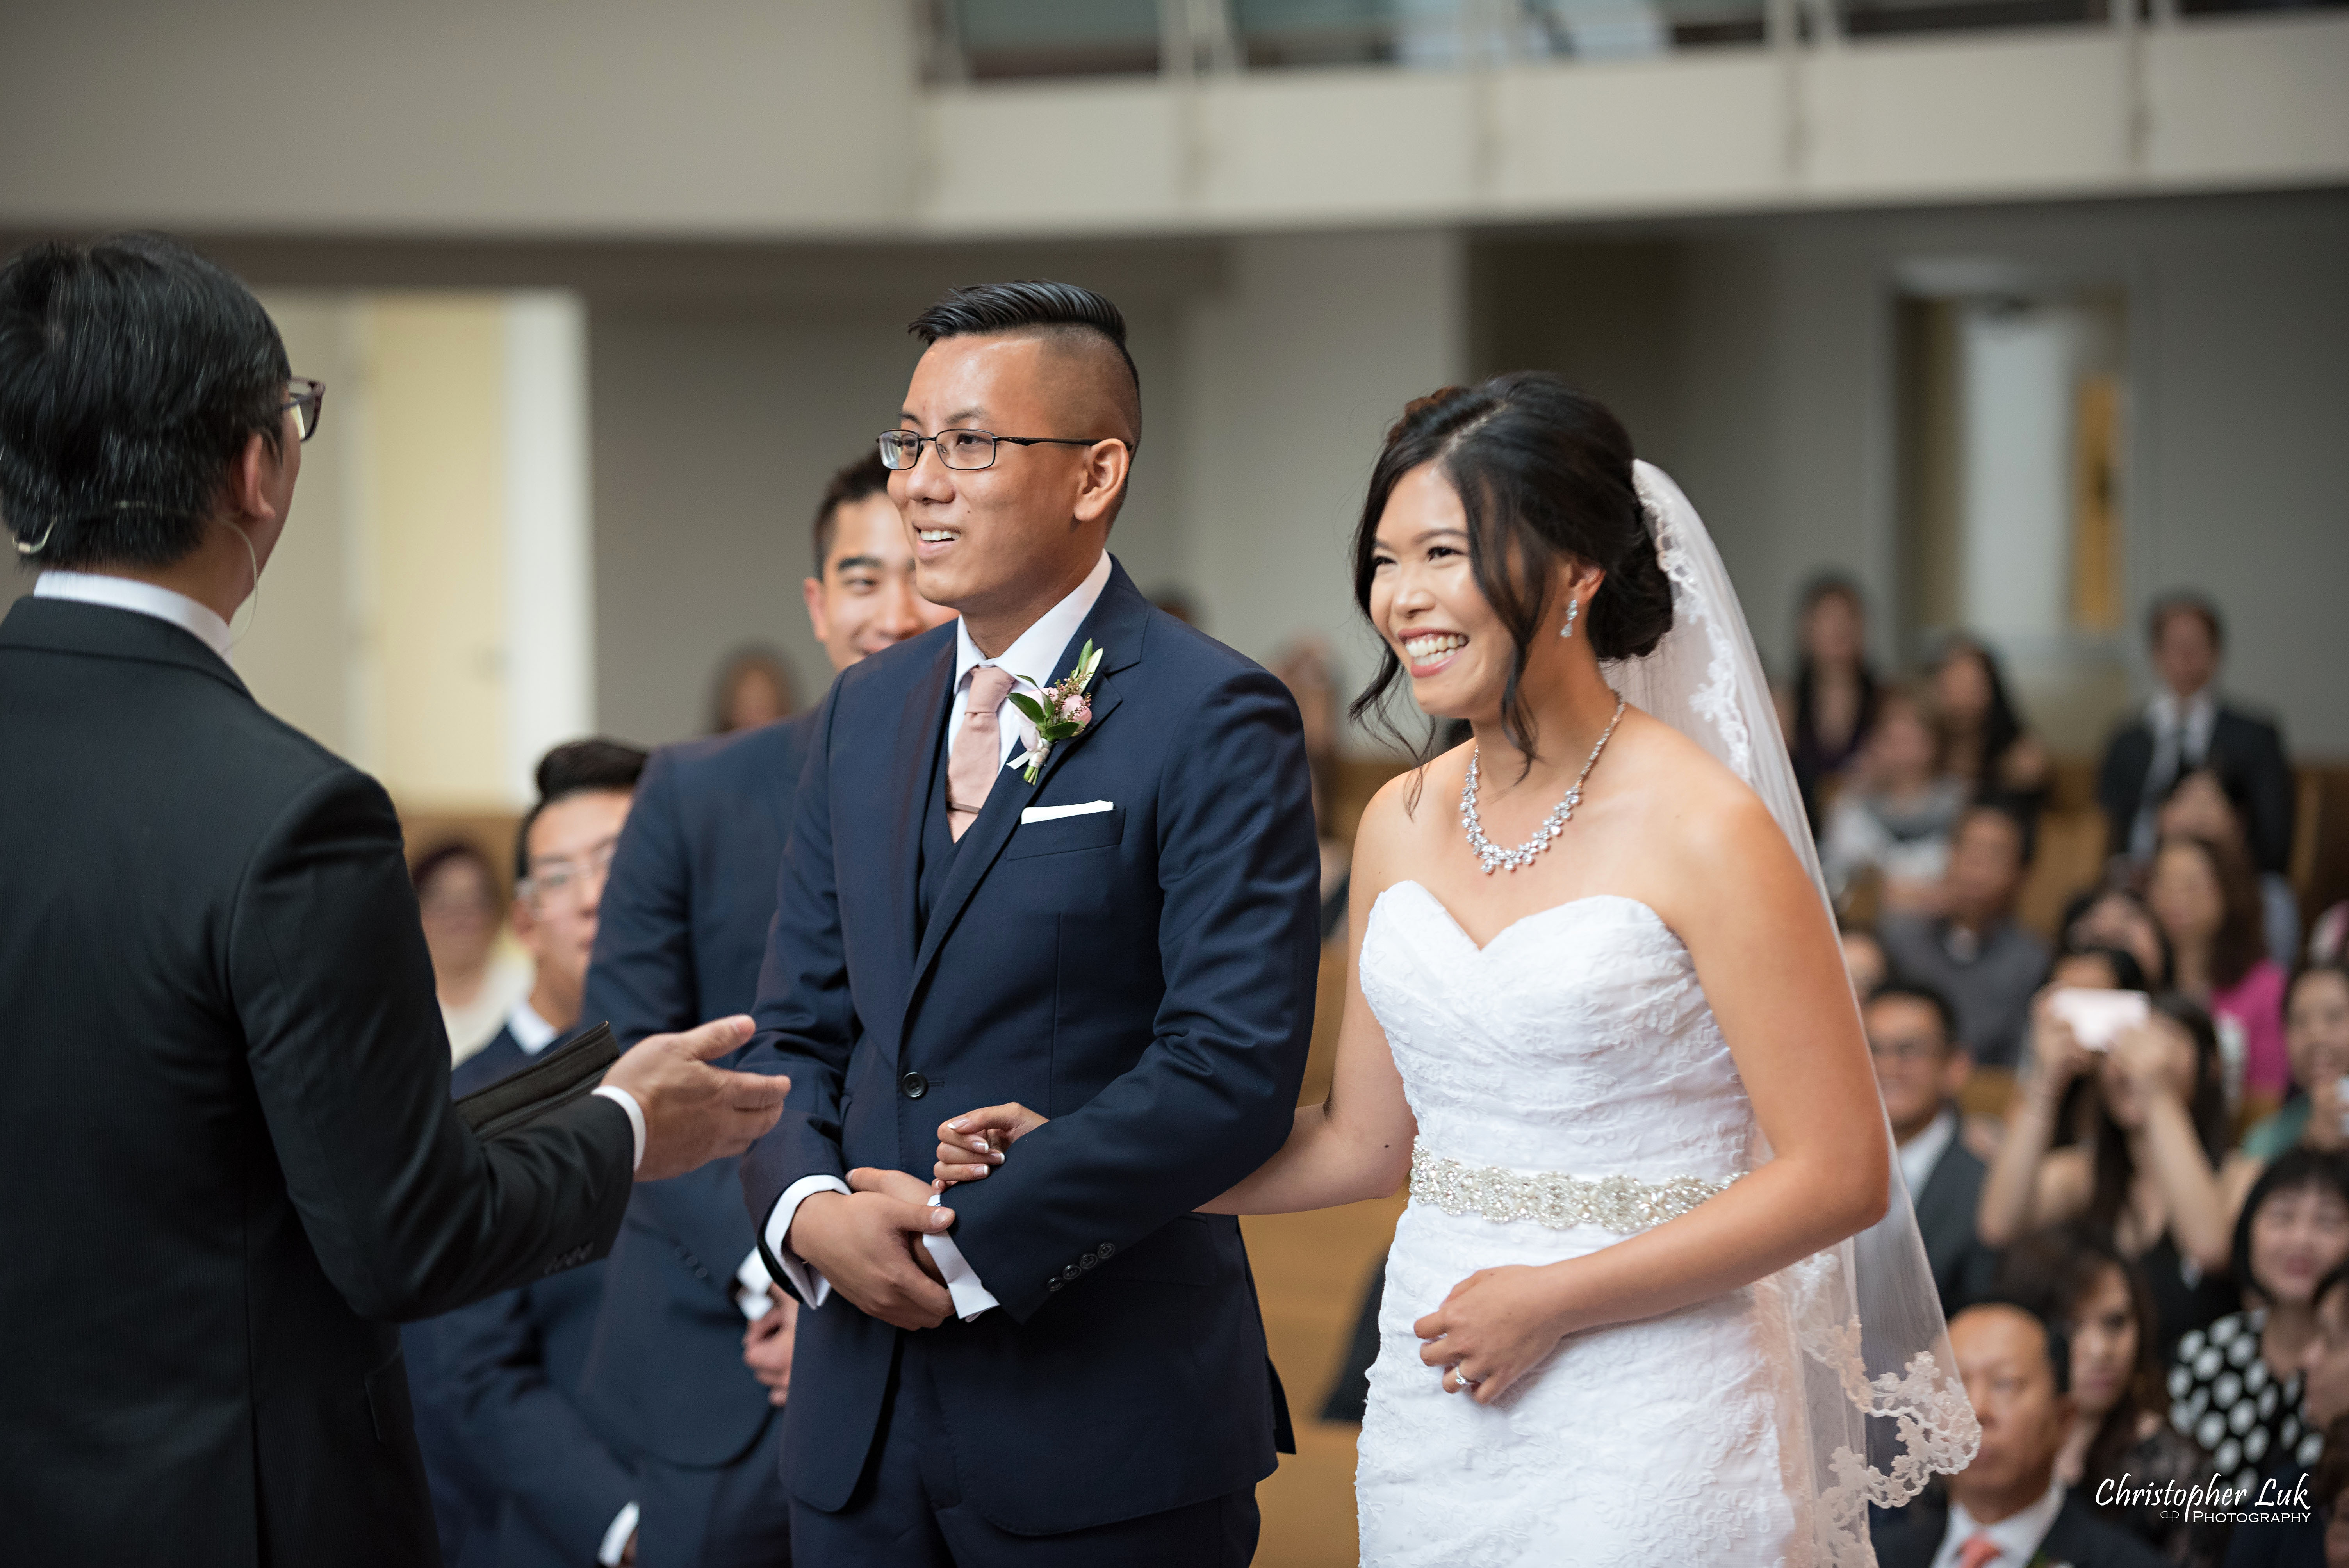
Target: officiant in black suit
[(680, 935), (1068, 1364), (225, 1128), (1921, 1069), (2007, 1510)]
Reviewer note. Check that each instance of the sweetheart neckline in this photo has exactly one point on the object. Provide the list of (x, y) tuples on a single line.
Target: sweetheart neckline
[(1454, 920)]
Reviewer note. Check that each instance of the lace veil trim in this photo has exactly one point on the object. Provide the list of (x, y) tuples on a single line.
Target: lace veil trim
[(1882, 1406)]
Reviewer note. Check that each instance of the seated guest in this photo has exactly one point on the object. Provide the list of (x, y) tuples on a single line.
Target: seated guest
[(457, 900), (2290, 1541), (2117, 917), (2183, 728), (2202, 893), (2146, 1177), (1984, 744), (691, 1392), (2008, 1509), (1919, 1069), (2211, 803), (1864, 960), (2120, 1434), (2235, 1386), (495, 1384), (1975, 953), (753, 688), (1831, 706), (2316, 1038), (1895, 816)]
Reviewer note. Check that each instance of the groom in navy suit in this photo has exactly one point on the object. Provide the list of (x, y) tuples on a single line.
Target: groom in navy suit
[(1117, 928)]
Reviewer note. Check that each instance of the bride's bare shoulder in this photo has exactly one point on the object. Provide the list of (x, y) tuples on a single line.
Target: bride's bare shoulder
[(1690, 793), (1415, 803)]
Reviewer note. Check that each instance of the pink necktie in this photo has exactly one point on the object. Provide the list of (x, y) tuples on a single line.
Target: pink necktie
[(1977, 1551), (977, 754)]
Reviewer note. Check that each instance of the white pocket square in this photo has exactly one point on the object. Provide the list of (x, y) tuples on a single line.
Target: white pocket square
[(1054, 813)]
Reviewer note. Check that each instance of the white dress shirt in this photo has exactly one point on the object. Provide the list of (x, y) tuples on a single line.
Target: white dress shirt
[(2181, 743), (141, 598), (2018, 1534), (1922, 1152), (1035, 658), (530, 1032)]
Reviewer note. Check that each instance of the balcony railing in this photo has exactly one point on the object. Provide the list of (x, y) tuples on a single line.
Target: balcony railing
[(991, 40)]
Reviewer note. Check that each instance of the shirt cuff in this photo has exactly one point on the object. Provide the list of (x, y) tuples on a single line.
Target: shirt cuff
[(808, 1284), (627, 1102), (624, 1525), (754, 1300), (970, 1298)]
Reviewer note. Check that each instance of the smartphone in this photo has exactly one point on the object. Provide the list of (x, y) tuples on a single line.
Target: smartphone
[(2098, 1017), (2340, 1088)]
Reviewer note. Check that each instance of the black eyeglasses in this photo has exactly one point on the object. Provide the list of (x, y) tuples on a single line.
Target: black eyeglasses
[(963, 449), (309, 397)]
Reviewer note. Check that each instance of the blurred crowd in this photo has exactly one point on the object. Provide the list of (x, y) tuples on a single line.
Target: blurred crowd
[(2125, 1139)]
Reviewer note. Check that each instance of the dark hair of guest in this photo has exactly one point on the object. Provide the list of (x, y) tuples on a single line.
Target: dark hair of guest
[(2000, 727), (2128, 973), (2206, 1107), (2053, 1273), (1901, 988), (576, 768), (1544, 476), (442, 855), (2088, 898), (1032, 305), (2059, 1336), (2241, 941), (2299, 1168), (132, 372), (868, 476), (2184, 601)]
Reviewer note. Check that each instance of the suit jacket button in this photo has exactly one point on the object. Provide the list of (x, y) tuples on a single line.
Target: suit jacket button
[(1088, 1261), (1107, 1248), (1070, 1273), (915, 1085), (1051, 1284)]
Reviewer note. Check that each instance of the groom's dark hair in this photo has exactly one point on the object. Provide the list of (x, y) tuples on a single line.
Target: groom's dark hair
[(1072, 317)]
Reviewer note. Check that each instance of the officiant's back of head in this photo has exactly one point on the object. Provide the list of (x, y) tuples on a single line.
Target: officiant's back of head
[(1012, 450), (133, 376)]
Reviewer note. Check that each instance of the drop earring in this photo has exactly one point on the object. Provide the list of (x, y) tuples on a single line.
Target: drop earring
[(1573, 608)]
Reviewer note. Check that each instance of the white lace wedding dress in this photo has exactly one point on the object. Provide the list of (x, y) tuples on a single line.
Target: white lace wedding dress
[(1577, 1042)]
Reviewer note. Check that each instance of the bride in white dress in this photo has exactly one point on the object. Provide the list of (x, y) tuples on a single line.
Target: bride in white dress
[(1597, 1017)]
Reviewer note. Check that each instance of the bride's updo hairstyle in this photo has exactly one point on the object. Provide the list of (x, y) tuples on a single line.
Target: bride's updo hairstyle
[(1543, 473)]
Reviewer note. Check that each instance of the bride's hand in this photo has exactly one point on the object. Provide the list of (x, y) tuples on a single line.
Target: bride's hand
[(973, 1142), (1493, 1327)]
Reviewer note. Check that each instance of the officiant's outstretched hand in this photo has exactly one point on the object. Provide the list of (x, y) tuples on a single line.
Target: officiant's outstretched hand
[(695, 1113)]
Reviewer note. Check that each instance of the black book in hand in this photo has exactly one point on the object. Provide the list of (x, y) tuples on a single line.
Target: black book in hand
[(554, 1080)]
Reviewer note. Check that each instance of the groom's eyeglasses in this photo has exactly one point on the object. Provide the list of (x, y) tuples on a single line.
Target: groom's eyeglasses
[(963, 449), (305, 397)]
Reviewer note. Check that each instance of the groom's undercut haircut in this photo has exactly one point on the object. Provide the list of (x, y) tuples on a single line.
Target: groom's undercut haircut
[(1071, 319), (132, 372), (576, 768)]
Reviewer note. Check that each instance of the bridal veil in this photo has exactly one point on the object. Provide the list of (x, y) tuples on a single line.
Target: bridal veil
[(1881, 1406)]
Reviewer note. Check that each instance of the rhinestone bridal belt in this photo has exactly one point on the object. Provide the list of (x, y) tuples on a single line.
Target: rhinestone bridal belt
[(1623, 1204)]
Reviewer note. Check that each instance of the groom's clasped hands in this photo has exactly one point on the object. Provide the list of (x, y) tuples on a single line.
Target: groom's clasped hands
[(867, 1243)]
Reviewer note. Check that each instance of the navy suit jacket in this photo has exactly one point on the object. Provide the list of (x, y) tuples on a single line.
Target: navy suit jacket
[(679, 941), (507, 1372), (1142, 975)]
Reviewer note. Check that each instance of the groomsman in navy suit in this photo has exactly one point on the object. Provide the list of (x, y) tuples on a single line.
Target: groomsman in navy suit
[(1110, 918), (520, 1476), (684, 927)]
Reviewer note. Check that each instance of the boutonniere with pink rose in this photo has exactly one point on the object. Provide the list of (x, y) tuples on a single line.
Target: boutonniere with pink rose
[(1057, 711)]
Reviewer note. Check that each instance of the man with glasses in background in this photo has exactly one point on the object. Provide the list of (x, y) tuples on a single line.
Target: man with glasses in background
[(519, 1475)]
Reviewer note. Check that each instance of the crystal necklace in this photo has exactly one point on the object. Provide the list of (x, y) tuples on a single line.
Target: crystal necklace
[(1490, 855)]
